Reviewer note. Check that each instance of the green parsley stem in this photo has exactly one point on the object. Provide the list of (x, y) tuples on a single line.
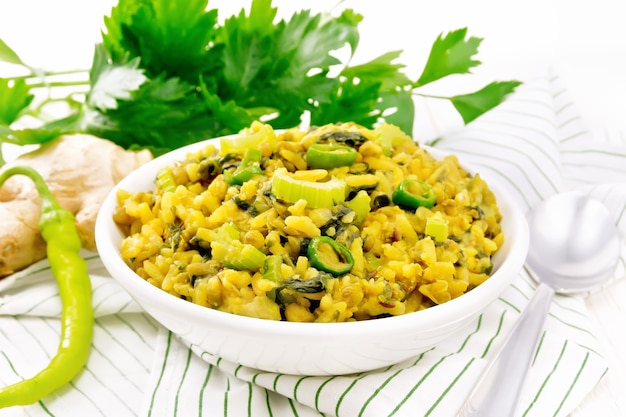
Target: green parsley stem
[(431, 96), (48, 74), (58, 84)]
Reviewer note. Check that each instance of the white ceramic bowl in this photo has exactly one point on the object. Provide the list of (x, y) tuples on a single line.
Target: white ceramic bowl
[(307, 348)]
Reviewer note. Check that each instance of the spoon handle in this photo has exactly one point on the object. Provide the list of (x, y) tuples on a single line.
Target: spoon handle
[(498, 389)]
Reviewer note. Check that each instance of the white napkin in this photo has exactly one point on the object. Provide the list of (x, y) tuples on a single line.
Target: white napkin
[(535, 143)]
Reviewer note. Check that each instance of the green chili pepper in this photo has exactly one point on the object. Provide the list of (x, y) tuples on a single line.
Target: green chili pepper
[(328, 255), (414, 194), (70, 271), (327, 156), (248, 168)]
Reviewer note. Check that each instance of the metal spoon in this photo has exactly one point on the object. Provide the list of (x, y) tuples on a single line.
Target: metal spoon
[(574, 246)]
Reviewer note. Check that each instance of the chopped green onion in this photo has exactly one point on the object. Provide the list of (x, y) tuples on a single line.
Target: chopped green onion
[(317, 194), (328, 255), (413, 194), (437, 227), (327, 155)]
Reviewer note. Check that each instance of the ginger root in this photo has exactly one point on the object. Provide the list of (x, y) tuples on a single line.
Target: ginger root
[(80, 171)]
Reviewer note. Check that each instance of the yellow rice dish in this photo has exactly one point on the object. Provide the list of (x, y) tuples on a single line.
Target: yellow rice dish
[(338, 223)]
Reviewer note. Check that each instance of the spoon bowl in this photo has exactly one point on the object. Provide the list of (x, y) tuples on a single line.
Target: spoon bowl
[(573, 242), (573, 247)]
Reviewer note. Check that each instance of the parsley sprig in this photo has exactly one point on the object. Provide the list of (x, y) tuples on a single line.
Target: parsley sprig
[(167, 74)]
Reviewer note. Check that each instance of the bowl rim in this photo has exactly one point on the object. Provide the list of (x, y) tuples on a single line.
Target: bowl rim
[(435, 316)]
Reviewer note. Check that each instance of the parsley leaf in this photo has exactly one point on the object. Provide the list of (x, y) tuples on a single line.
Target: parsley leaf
[(247, 68), (450, 54), (397, 108), (169, 37), (394, 100), (167, 74), (15, 96), (366, 92), (167, 113), (382, 69), (35, 136), (8, 55), (352, 102), (247, 50), (111, 83), (283, 66), (472, 105)]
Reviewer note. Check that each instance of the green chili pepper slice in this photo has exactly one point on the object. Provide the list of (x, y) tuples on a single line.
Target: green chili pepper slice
[(328, 156), (413, 194), (328, 255), (248, 168), (70, 271)]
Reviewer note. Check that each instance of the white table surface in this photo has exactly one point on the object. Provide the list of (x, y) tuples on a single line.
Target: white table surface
[(583, 42)]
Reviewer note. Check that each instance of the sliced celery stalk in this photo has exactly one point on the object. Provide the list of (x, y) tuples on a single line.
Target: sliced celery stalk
[(390, 136), (165, 180), (316, 194), (360, 204), (246, 140), (437, 227), (271, 268), (229, 250)]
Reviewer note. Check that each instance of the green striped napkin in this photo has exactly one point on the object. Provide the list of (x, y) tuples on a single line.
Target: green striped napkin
[(535, 143)]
